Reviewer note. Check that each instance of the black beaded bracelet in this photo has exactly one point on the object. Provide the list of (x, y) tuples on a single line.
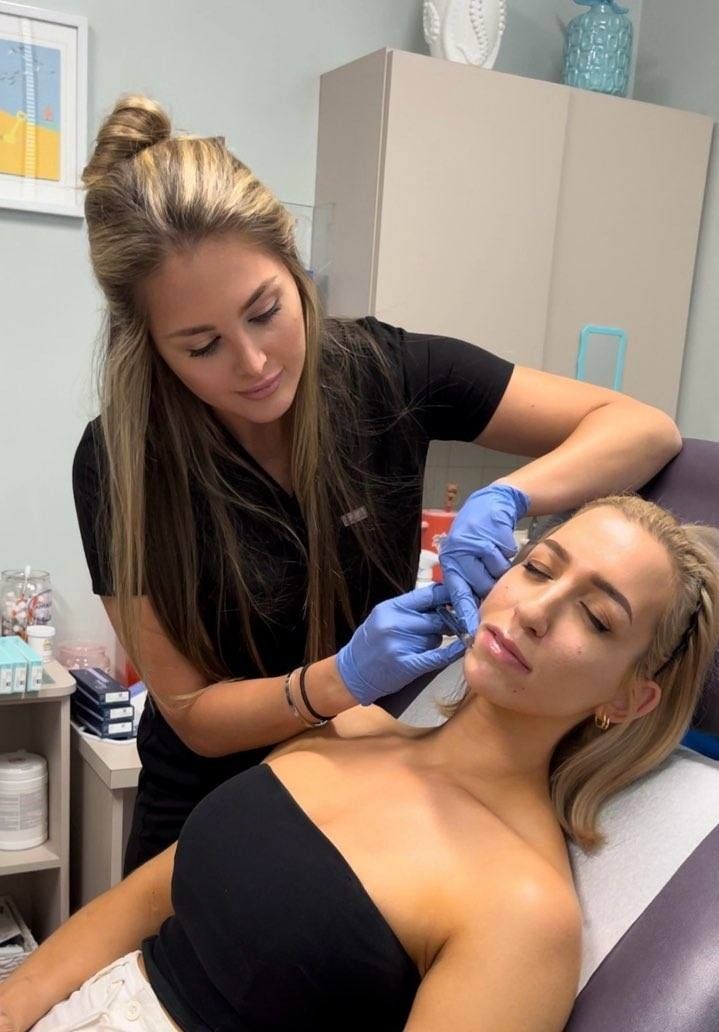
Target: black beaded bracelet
[(308, 706)]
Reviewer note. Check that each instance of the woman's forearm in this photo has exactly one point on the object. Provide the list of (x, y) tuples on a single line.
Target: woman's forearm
[(220, 720), (225, 717), (104, 930), (615, 448)]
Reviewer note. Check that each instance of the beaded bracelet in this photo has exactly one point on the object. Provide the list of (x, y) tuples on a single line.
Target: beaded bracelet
[(287, 686)]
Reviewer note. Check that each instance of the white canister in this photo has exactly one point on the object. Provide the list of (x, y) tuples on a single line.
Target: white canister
[(23, 800), (41, 638)]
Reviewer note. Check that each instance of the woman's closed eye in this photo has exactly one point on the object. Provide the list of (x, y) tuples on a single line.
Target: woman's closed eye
[(539, 573), (536, 571), (206, 350), (262, 318), (596, 623)]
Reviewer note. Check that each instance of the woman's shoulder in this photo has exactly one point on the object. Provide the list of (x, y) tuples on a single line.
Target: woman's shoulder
[(524, 862), (512, 955), (505, 891), (90, 446)]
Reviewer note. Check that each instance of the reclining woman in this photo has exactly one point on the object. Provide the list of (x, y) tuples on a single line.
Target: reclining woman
[(368, 875)]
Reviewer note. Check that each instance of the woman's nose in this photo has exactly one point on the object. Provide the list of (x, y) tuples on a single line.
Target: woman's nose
[(534, 614), (249, 359)]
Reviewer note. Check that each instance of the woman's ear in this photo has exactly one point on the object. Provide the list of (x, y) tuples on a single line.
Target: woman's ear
[(637, 699)]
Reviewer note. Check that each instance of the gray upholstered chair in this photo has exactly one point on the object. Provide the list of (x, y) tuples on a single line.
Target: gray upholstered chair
[(650, 896)]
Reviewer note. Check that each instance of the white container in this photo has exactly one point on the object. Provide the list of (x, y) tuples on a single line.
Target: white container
[(23, 800), (41, 638)]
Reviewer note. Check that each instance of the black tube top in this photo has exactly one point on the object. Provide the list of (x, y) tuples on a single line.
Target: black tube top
[(272, 928)]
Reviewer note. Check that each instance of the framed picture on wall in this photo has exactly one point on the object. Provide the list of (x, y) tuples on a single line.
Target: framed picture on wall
[(43, 109)]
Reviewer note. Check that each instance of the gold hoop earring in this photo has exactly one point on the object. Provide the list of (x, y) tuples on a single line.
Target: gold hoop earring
[(603, 722)]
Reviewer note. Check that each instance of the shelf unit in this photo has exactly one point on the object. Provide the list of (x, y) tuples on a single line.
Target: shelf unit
[(38, 879)]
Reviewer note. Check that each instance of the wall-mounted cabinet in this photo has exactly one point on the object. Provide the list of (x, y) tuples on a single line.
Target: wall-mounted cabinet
[(512, 212)]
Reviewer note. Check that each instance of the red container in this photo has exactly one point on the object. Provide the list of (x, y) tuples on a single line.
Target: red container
[(435, 524)]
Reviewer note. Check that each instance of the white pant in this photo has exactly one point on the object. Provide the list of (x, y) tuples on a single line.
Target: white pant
[(117, 999)]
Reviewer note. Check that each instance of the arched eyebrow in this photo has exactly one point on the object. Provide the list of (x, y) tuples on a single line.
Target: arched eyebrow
[(599, 582), (190, 331)]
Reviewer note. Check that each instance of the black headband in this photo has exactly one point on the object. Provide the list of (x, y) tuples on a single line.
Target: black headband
[(683, 642)]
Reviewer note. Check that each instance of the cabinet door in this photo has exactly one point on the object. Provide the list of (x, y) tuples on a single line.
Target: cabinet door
[(469, 193), (631, 202), (349, 146)]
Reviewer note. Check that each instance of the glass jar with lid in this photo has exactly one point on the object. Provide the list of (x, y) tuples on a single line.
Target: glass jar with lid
[(25, 598), (78, 655)]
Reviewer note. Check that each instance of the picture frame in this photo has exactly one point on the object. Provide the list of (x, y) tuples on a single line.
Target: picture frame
[(43, 109)]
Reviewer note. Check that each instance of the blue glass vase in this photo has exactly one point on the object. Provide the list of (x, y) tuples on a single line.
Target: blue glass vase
[(598, 55)]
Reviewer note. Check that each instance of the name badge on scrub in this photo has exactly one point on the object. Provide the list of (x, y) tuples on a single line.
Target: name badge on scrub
[(355, 516)]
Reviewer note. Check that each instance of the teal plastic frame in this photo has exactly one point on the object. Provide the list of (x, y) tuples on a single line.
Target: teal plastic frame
[(589, 331)]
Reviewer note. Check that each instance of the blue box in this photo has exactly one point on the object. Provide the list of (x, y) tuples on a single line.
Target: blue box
[(102, 710), (100, 686), (103, 728)]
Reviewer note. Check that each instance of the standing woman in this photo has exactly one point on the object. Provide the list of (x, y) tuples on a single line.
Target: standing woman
[(252, 487)]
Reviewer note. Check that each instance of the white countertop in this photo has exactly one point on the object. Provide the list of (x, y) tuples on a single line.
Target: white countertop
[(117, 764)]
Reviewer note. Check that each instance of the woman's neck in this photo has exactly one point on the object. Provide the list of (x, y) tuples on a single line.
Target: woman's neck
[(268, 444), (488, 749)]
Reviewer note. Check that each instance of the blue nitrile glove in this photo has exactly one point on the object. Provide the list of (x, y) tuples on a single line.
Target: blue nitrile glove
[(396, 644), (478, 548)]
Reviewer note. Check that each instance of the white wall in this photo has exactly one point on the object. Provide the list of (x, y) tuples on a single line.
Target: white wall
[(677, 65)]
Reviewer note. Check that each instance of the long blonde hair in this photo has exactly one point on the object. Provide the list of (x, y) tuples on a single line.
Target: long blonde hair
[(151, 194), (588, 764)]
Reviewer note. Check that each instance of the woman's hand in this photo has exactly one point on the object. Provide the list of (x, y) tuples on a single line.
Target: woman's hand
[(478, 548), (397, 643)]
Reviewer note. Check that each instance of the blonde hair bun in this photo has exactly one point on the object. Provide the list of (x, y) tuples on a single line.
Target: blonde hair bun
[(134, 123)]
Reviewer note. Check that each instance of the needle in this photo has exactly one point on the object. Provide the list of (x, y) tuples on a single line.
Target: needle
[(452, 620)]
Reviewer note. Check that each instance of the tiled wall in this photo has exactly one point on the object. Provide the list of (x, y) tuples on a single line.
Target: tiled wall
[(466, 465)]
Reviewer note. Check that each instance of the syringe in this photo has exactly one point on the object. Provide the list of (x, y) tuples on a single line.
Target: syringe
[(452, 620)]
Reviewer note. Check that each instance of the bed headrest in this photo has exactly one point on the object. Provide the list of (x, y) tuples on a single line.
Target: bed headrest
[(689, 487)]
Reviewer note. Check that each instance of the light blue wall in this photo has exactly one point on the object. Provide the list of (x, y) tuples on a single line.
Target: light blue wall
[(533, 43), (246, 69), (677, 65)]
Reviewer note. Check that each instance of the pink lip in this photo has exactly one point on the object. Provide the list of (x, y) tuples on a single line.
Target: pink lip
[(263, 388), (504, 649)]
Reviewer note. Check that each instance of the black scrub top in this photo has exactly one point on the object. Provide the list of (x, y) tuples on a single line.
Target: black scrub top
[(451, 390)]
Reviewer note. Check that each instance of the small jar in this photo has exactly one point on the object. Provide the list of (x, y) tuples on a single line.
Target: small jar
[(23, 800), (82, 654), (25, 598), (41, 638)]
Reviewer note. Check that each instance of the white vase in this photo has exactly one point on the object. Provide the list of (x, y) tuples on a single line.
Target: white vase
[(468, 31)]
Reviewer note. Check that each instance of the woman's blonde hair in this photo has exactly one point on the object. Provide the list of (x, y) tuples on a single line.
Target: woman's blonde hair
[(151, 194), (589, 764)]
